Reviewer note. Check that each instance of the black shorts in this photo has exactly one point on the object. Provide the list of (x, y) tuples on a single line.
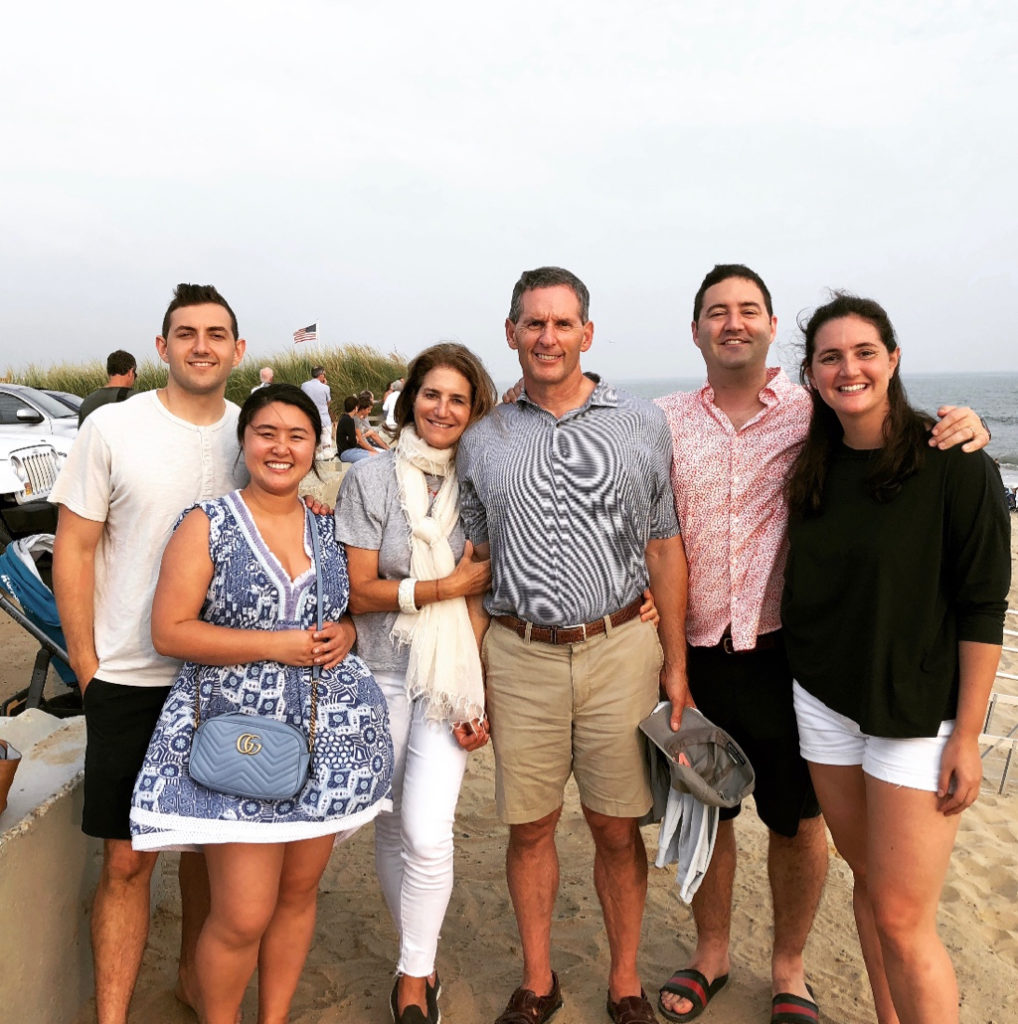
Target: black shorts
[(119, 721), (750, 696)]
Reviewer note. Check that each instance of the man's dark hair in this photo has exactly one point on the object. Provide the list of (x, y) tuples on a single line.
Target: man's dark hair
[(350, 403), (197, 295), (722, 272), (120, 362), (548, 277)]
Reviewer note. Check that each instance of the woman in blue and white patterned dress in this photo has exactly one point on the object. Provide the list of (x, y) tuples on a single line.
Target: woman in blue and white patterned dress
[(237, 598)]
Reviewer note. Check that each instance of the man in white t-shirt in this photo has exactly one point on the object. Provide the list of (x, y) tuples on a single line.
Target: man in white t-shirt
[(134, 467)]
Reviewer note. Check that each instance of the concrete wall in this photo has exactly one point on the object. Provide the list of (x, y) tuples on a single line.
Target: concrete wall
[(326, 486), (48, 873)]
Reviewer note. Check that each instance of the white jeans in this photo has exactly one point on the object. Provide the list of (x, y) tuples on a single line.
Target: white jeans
[(413, 842)]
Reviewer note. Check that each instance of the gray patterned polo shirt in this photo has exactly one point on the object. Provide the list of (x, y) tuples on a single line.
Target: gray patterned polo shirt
[(567, 505)]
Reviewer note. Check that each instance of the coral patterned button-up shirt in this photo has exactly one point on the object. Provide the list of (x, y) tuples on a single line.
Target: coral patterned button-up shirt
[(729, 498)]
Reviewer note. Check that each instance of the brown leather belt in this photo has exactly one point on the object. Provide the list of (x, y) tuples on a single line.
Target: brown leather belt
[(568, 634), (764, 642)]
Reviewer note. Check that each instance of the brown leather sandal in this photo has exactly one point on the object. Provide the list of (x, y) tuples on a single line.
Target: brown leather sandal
[(527, 1007), (631, 1009)]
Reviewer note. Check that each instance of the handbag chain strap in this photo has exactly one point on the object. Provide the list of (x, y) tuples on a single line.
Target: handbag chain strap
[(316, 670)]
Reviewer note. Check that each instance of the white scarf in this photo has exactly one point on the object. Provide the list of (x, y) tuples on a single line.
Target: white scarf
[(444, 664)]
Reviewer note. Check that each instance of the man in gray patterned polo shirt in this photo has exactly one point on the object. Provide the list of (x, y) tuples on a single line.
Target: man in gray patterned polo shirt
[(568, 488)]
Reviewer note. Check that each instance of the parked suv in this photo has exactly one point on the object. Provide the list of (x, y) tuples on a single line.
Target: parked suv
[(28, 469), (33, 415)]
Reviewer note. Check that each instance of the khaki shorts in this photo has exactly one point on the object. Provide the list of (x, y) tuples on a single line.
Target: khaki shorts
[(574, 708)]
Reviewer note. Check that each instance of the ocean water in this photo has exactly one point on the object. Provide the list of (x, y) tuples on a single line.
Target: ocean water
[(993, 395)]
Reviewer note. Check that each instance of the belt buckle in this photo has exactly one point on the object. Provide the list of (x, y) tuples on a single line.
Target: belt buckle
[(726, 645), (553, 632)]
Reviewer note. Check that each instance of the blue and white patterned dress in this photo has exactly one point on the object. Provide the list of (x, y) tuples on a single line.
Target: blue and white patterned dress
[(351, 768)]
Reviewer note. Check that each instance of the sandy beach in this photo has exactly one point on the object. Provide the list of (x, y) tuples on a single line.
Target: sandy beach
[(349, 971)]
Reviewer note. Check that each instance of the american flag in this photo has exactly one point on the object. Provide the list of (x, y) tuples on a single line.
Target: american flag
[(309, 333)]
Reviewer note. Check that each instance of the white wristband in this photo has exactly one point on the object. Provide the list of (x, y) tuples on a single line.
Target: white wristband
[(406, 596)]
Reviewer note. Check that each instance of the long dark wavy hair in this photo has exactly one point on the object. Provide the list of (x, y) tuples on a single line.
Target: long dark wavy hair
[(904, 429)]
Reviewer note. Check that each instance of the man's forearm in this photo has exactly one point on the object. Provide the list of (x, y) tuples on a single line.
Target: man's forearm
[(479, 618), (666, 564), (74, 590)]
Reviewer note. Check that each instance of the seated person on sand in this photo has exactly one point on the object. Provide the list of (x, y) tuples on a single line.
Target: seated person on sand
[(349, 441), (367, 431)]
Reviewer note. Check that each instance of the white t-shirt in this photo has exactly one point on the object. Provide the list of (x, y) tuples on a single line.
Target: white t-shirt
[(135, 467), (389, 409)]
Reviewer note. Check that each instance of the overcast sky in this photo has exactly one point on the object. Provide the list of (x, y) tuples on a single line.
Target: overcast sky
[(388, 169)]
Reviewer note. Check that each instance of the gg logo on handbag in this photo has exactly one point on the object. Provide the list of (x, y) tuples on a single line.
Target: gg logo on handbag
[(247, 743)]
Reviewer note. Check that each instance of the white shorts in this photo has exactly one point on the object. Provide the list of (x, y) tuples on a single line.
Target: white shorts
[(825, 737)]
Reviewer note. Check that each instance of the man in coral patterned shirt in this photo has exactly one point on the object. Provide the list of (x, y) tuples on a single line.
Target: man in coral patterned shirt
[(734, 441)]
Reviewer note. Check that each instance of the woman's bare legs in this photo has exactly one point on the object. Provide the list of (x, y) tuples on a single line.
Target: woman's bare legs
[(910, 843), (287, 939), (898, 845), (263, 898), (244, 886), (841, 790)]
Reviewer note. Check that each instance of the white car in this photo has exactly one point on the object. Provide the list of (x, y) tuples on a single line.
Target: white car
[(34, 415), (28, 470)]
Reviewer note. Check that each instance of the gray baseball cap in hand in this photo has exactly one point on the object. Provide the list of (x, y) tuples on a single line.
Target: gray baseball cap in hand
[(702, 758)]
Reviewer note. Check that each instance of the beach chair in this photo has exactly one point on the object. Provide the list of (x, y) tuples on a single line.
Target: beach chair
[(25, 596), (1006, 744)]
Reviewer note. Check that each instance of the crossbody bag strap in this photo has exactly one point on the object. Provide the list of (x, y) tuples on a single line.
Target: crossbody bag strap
[(316, 671)]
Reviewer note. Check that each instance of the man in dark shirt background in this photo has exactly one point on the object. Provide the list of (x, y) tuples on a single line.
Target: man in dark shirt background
[(122, 371)]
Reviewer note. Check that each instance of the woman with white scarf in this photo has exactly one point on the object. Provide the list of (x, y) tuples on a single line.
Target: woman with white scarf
[(415, 597)]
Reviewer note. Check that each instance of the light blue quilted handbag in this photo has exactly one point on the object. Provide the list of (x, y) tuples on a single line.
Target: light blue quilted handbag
[(251, 755)]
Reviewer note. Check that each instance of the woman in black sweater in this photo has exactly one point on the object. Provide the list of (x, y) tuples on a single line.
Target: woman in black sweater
[(893, 609)]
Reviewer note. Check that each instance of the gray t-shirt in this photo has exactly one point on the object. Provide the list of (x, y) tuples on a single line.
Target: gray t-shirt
[(368, 515)]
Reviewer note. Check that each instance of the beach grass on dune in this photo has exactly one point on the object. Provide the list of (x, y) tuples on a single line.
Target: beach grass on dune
[(349, 369)]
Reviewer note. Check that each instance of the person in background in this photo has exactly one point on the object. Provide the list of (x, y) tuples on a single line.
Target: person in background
[(893, 608), (121, 372), (412, 579), (265, 377), (389, 405), (347, 435), (238, 598), (317, 389), (365, 431), (734, 440)]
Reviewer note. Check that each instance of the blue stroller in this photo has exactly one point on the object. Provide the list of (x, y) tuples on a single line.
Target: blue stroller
[(26, 597)]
